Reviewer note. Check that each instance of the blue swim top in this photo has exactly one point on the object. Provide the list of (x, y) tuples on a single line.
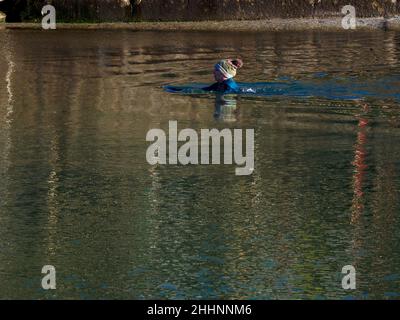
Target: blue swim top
[(227, 86)]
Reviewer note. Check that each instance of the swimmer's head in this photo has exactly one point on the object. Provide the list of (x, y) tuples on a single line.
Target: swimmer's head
[(226, 69)]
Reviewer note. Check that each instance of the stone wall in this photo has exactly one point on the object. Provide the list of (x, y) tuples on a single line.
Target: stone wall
[(258, 9), (192, 10), (69, 10)]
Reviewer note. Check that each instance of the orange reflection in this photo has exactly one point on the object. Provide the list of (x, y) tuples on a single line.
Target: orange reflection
[(360, 166)]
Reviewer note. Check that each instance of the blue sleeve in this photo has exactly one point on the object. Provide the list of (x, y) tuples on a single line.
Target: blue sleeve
[(232, 85)]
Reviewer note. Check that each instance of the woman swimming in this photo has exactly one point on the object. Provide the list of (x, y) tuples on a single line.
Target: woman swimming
[(224, 72)]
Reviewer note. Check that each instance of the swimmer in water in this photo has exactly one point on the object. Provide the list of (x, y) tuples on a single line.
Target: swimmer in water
[(224, 72)]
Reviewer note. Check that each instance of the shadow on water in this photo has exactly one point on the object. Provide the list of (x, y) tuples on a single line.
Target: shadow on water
[(226, 108)]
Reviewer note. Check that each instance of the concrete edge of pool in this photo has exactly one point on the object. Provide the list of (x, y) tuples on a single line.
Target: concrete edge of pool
[(324, 24)]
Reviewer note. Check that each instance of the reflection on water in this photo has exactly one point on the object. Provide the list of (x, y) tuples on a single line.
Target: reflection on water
[(76, 191), (360, 166), (225, 108)]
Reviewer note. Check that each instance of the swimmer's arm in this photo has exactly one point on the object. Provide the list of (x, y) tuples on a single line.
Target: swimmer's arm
[(232, 86)]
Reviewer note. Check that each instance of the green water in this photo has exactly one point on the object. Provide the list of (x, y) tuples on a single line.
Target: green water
[(77, 193)]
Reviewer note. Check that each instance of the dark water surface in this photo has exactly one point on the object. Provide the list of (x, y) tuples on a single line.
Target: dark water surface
[(76, 191)]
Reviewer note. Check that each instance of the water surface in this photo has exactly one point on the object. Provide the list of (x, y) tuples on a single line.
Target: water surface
[(76, 191)]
